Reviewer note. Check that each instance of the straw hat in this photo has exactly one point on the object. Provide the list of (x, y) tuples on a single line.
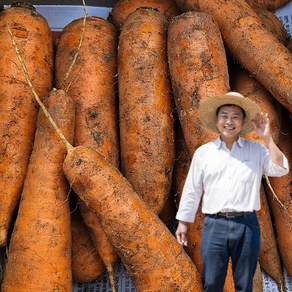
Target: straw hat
[(208, 108)]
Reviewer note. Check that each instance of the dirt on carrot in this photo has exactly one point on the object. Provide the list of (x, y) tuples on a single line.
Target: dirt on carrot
[(278, 190), (39, 253), (270, 5), (146, 106), (272, 23), (151, 254), (253, 46), (87, 265), (92, 84), (17, 106), (123, 8)]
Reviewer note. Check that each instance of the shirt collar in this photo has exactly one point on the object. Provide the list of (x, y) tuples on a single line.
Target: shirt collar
[(218, 142)]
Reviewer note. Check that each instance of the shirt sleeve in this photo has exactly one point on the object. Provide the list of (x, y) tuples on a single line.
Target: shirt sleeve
[(272, 169), (192, 192)]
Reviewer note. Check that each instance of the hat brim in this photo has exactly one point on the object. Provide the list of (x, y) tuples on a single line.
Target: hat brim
[(208, 108)]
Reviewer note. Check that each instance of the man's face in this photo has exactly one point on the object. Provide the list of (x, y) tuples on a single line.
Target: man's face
[(230, 120)]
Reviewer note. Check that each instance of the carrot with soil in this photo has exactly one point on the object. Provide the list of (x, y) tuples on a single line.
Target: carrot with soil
[(123, 8), (269, 258), (253, 46), (198, 69), (92, 86), (279, 190), (151, 254), (100, 240), (40, 246), (145, 107), (272, 23), (87, 264), (17, 106), (270, 5)]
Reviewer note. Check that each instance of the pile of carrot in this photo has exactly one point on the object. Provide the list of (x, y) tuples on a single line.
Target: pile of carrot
[(98, 130)]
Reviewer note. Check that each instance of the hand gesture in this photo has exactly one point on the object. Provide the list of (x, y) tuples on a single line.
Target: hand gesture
[(261, 124)]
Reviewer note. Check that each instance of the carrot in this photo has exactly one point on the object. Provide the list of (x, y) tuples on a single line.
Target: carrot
[(92, 82), (17, 106), (254, 47), (269, 258), (267, 4), (151, 254), (198, 69), (102, 243), (246, 84), (39, 255), (92, 86), (145, 107), (272, 23), (279, 191), (123, 8), (87, 264)]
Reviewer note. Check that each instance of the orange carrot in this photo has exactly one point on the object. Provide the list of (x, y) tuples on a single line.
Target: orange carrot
[(198, 69), (279, 196), (86, 262), (254, 47), (267, 4), (123, 8), (92, 82), (272, 23), (145, 107), (17, 106), (101, 241), (39, 254), (92, 86), (243, 82), (269, 258), (151, 254)]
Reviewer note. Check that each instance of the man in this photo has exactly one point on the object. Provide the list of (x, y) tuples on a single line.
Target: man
[(228, 171)]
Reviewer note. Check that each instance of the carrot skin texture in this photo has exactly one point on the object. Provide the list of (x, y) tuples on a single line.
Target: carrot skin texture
[(92, 82), (254, 47), (39, 255), (270, 5), (87, 265), (93, 90), (272, 23), (17, 107), (100, 240), (269, 257), (198, 69), (151, 254), (123, 8), (145, 107), (283, 188)]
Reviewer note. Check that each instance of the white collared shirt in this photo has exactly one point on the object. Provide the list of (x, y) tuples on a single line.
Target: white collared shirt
[(229, 179)]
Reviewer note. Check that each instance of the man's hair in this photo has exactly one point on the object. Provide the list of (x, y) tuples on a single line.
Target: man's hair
[(230, 104)]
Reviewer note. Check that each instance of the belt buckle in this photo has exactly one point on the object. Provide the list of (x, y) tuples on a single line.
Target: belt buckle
[(228, 215)]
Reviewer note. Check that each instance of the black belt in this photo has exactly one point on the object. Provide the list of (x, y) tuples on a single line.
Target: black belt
[(232, 214)]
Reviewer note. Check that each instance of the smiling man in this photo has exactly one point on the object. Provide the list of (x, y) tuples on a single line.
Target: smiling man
[(228, 171)]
